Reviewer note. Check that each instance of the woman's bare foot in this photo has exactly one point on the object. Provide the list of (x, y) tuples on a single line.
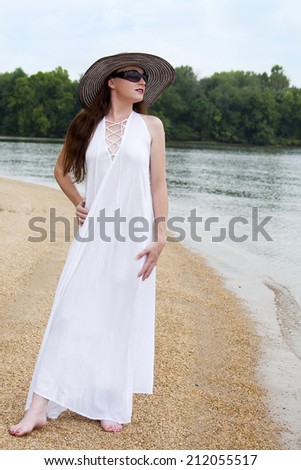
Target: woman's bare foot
[(110, 426), (35, 418), (30, 422)]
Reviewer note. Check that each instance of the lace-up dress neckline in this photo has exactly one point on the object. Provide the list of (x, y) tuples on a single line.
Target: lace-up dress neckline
[(114, 132)]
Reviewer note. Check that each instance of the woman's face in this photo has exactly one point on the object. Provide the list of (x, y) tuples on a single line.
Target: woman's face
[(126, 90)]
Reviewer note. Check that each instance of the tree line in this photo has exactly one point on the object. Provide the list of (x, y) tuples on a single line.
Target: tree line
[(228, 107)]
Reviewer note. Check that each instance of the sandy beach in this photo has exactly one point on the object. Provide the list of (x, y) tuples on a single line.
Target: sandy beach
[(206, 393)]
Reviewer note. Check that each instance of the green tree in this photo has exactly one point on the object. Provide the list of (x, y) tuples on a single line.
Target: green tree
[(176, 104), (7, 85), (55, 99), (234, 107), (19, 105), (289, 129), (278, 81)]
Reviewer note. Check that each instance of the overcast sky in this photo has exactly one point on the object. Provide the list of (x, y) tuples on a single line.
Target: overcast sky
[(209, 35)]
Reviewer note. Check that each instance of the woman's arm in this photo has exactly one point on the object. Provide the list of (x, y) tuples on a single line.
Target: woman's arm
[(69, 188), (158, 178), (159, 195)]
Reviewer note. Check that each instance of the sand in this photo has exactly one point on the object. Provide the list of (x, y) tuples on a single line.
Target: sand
[(206, 393)]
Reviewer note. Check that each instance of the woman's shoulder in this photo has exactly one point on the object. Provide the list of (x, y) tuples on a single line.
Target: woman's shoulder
[(153, 123), (151, 120)]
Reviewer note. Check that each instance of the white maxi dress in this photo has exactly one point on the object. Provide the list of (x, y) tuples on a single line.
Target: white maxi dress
[(98, 347)]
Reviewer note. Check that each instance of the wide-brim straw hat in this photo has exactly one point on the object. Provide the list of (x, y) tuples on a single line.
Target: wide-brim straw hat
[(160, 75)]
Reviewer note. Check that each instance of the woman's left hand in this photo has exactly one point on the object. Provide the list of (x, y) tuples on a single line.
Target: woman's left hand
[(153, 251)]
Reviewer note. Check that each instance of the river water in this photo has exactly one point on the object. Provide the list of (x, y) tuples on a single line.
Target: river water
[(240, 208), (249, 202)]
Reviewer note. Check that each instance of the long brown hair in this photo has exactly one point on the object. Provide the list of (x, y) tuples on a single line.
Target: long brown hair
[(81, 128)]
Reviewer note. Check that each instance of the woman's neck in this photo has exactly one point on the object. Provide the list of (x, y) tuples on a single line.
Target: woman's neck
[(119, 112)]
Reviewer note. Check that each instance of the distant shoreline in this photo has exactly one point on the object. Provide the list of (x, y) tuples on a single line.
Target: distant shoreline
[(197, 144), (42, 140)]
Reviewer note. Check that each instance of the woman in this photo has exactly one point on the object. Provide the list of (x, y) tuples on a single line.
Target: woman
[(98, 348)]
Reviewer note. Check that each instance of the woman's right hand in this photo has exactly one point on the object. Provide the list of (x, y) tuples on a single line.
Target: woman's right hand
[(81, 211)]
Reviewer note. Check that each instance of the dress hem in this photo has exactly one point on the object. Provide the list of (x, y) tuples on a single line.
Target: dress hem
[(78, 412)]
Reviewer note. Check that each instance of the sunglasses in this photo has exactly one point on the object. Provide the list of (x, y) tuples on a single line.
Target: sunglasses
[(131, 75)]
